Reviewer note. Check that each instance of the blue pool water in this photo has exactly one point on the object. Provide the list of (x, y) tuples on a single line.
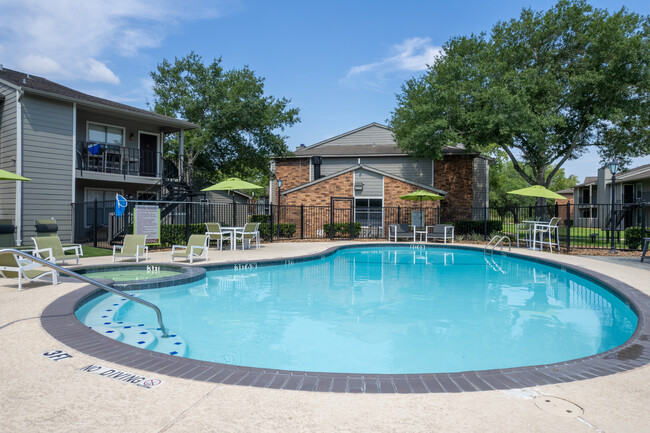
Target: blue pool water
[(389, 310)]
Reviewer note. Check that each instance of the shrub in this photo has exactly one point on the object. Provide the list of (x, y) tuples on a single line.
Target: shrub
[(478, 226), (342, 229), (286, 230), (259, 218), (634, 237), (174, 234)]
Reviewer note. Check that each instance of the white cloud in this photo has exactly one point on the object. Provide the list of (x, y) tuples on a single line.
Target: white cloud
[(71, 39), (412, 55)]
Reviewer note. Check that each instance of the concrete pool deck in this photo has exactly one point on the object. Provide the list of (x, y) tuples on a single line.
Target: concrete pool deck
[(39, 394)]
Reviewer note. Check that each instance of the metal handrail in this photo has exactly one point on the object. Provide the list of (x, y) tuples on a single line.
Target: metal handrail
[(499, 242), (490, 243), (91, 281)]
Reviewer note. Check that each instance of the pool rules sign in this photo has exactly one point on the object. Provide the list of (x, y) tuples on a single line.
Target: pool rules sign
[(147, 222)]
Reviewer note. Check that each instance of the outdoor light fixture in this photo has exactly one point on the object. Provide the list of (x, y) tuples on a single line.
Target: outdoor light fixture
[(613, 168), (279, 181), (132, 136)]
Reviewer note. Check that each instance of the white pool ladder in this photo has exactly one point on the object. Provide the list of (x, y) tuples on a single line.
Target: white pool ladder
[(495, 242)]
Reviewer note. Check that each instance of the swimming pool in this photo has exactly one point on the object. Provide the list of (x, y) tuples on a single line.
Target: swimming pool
[(386, 310)]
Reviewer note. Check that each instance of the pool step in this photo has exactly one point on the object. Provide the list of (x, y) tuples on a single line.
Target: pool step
[(109, 308), (137, 335), (134, 334)]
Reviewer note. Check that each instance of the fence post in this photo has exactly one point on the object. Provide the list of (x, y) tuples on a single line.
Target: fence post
[(234, 212), (331, 219), (485, 221), (278, 224), (187, 221), (398, 215), (95, 225), (302, 221), (568, 222), (643, 222), (271, 228)]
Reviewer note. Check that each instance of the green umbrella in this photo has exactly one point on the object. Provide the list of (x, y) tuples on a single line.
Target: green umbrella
[(421, 195), (5, 175), (537, 191), (230, 184)]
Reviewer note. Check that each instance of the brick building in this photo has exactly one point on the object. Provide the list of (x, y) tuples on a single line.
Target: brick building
[(366, 166)]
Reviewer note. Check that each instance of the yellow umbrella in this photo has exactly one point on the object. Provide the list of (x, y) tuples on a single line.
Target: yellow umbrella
[(537, 191), (6, 175)]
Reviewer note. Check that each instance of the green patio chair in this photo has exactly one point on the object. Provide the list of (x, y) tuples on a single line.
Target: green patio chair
[(134, 246), (196, 246), (7, 230), (50, 248), (250, 232), (46, 227), (13, 266), (214, 232)]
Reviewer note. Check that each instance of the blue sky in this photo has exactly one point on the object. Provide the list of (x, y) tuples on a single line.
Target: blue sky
[(340, 62)]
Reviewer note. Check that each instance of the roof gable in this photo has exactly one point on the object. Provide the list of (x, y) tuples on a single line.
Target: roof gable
[(42, 86), (367, 168)]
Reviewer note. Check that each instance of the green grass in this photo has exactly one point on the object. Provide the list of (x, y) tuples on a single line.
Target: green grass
[(96, 252)]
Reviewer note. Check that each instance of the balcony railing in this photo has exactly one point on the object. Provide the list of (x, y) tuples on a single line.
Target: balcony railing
[(107, 158)]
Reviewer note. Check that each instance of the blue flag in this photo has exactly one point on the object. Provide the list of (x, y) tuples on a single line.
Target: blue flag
[(120, 205)]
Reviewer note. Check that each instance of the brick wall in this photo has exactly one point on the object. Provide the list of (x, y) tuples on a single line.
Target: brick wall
[(454, 175), (319, 194), (293, 172)]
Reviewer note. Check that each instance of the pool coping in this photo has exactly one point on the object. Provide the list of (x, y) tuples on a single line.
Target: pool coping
[(59, 320)]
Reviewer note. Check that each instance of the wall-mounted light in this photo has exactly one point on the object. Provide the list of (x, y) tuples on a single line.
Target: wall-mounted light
[(132, 136)]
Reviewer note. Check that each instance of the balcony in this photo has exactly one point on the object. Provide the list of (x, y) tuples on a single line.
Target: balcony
[(106, 158)]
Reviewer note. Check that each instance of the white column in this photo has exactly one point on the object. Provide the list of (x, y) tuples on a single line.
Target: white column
[(19, 168)]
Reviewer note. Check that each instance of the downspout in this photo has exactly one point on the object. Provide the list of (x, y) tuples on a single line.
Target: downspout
[(74, 168), (19, 167)]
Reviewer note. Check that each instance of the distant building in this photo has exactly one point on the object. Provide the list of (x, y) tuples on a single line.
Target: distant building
[(593, 197), (366, 165)]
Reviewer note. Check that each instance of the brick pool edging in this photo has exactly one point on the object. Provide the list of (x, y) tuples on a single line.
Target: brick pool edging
[(59, 320)]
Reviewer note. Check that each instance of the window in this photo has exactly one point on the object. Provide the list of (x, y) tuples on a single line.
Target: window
[(585, 196), (105, 205), (368, 212), (105, 134)]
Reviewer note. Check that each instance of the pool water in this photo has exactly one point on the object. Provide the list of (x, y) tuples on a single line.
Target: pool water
[(389, 310), (131, 274)]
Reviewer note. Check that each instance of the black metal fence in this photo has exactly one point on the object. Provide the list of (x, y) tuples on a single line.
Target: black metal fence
[(580, 226)]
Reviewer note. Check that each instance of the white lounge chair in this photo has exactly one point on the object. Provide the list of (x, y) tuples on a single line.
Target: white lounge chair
[(13, 266), (50, 248), (134, 246), (196, 246)]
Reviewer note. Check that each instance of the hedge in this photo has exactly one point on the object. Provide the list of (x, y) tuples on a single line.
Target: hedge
[(634, 237), (342, 229), (464, 227), (286, 230), (174, 234)]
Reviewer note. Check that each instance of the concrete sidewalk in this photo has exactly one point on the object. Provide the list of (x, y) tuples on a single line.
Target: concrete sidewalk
[(40, 394)]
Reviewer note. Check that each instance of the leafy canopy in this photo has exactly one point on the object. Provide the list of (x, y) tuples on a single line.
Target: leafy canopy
[(238, 124), (541, 88)]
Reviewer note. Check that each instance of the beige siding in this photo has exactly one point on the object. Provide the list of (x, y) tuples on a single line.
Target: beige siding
[(8, 151), (47, 160), (334, 165), (373, 134), (419, 171), (373, 184)]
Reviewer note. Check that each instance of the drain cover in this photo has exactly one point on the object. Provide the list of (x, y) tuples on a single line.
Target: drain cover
[(557, 406)]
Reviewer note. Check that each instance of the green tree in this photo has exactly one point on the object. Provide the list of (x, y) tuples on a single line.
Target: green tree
[(504, 178), (541, 88), (239, 126)]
